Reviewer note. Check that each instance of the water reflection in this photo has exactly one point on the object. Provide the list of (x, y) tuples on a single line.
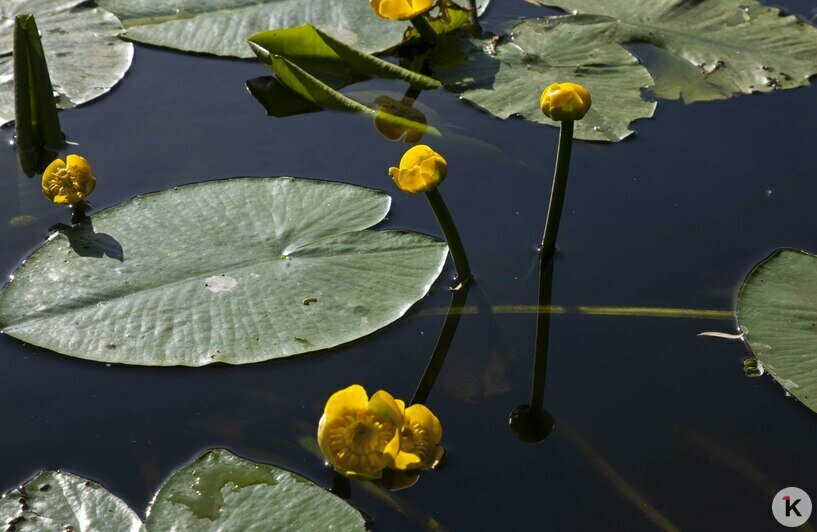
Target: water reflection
[(399, 119), (530, 422)]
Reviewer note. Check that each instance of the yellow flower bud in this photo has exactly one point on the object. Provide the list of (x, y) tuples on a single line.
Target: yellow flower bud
[(421, 170), (565, 101), (400, 9), (69, 182), (360, 436), (418, 439)]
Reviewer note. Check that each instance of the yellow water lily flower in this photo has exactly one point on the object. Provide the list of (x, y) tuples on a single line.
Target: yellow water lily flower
[(419, 439), (565, 101), (421, 170), (400, 9), (360, 437), (69, 182)]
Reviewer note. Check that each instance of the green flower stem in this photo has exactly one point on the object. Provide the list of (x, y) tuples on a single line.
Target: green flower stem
[(452, 236), (557, 194), (420, 23), (435, 363)]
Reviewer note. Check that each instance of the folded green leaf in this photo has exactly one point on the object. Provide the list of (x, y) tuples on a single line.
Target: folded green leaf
[(317, 52)]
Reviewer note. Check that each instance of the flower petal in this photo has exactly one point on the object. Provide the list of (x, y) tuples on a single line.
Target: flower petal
[(383, 405), (51, 169), (352, 398), (425, 418), (405, 460), (415, 156)]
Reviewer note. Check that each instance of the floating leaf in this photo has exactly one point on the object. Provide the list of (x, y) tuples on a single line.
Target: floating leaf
[(220, 491), (55, 500), (221, 27), (734, 46), (84, 53), (220, 272), (777, 309), (506, 77)]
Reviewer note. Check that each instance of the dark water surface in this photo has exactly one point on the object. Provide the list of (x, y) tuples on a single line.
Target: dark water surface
[(655, 425)]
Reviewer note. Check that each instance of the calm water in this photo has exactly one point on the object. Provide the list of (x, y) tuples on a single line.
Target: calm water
[(674, 217)]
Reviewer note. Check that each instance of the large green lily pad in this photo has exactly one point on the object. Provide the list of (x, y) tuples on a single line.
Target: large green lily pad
[(777, 310), (236, 271), (55, 500), (726, 46), (221, 27), (85, 55), (220, 491), (506, 77)]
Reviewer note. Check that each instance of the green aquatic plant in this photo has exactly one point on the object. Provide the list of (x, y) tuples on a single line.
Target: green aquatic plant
[(421, 169), (564, 103), (299, 253)]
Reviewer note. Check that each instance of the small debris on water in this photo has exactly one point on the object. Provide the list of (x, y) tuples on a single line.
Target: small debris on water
[(309, 300)]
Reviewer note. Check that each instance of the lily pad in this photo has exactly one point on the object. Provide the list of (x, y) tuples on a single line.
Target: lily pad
[(220, 491), (85, 55), (734, 46), (235, 271), (55, 500), (777, 310), (506, 77), (221, 27)]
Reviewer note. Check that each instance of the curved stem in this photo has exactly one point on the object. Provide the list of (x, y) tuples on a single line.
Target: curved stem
[(435, 363), (452, 236), (420, 22), (557, 194)]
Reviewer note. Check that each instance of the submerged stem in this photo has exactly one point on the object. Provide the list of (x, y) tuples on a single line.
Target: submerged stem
[(452, 236), (557, 193)]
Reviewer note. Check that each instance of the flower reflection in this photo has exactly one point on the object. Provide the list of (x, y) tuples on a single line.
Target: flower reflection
[(398, 119)]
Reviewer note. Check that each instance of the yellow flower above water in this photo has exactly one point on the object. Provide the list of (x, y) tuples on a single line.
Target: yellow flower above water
[(69, 182), (565, 101), (360, 437), (400, 9), (419, 439), (421, 170)]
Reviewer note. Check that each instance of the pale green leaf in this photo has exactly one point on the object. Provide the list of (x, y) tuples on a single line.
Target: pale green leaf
[(221, 271), (220, 491), (728, 46), (84, 53), (59, 501), (777, 310)]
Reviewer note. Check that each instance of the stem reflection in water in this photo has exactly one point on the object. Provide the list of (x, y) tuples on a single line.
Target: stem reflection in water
[(531, 423)]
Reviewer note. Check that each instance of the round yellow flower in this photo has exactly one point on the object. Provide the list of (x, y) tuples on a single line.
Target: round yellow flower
[(421, 170), (360, 437), (565, 101), (419, 439), (69, 182), (400, 9)]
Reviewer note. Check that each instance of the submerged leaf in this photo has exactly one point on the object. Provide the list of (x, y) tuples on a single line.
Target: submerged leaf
[(220, 491), (777, 309), (218, 272), (83, 50)]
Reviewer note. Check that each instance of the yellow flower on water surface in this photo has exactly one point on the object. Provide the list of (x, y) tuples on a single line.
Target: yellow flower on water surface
[(421, 170), (360, 437), (69, 182), (419, 439), (565, 101), (400, 9)]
